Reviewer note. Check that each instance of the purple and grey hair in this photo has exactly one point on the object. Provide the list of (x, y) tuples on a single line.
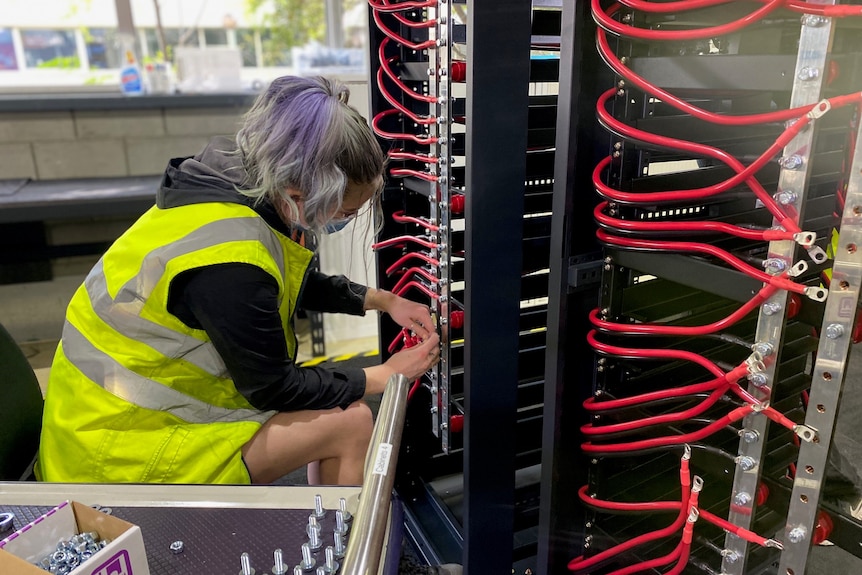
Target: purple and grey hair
[(301, 134)]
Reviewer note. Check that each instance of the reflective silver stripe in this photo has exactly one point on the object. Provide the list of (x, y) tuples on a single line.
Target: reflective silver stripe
[(122, 313), (146, 393)]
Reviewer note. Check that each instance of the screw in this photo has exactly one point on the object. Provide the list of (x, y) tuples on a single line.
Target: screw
[(730, 555), (331, 565), (314, 541), (278, 567), (764, 348), (742, 498), (786, 197), (813, 20), (342, 505), (771, 308), (298, 570), (340, 523), (797, 534), (747, 463), (807, 73), (750, 436), (313, 525), (320, 571), (774, 265), (338, 539), (177, 547), (792, 162), (246, 565), (308, 561), (834, 330), (319, 511)]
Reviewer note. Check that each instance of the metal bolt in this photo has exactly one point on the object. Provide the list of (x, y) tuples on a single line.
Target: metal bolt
[(747, 463), (314, 541), (807, 73), (319, 511), (320, 571), (786, 197), (338, 539), (750, 436), (730, 555), (342, 505), (792, 162), (764, 348), (797, 534), (298, 570), (331, 565), (774, 265), (742, 498), (246, 565), (771, 308), (834, 330), (313, 525), (308, 561), (177, 547), (814, 20), (278, 567), (340, 523)]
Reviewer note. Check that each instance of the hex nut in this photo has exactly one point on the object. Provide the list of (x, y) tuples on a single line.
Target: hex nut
[(177, 547)]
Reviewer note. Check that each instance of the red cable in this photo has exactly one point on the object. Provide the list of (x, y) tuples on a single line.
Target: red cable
[(394, 135), (399, 6), (579, 564), (414, 270), (401, 239), (700, 408), (744, 174), (660, 329), (604, 20), (732, 417), (421, 120), (402, 219), (732, 376), (778, 281), (402, 155), (684, 5), (401, 40), (666, 97), (418, 286), (400, 261), (403, 172), (655, 354), (766, 235)]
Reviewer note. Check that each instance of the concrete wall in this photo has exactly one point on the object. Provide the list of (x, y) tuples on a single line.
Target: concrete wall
[(68, 144)]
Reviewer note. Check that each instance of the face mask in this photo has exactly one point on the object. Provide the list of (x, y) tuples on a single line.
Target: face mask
[(336, 225)]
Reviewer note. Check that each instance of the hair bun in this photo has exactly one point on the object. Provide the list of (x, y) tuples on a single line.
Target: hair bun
[(344, 94)]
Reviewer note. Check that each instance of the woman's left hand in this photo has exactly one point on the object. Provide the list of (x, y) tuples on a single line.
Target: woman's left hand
[(406, 313)]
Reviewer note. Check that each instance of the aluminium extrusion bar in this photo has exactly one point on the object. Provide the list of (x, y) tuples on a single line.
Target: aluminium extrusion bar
[(814, 45), (830, 369)]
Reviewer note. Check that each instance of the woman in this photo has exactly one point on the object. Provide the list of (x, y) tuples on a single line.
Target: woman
[(176, 363)]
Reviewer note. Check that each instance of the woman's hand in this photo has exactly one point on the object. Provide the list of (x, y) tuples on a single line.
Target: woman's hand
[(411, 362), (406, 313)]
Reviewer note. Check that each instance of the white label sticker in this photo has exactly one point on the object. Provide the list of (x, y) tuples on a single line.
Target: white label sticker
[(381, 462)]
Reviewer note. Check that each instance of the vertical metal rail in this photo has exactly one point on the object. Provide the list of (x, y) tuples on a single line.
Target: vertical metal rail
[(569, 361), (440, 86), (369, 526), (498, 72), (814, 44), (829, 372)]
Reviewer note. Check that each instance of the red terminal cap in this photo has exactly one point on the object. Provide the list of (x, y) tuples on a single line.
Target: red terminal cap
[(459, 71), (857, 328), (822, 528), (794, 303), (456, 423), (456, 319), (762, 494), (456, 204)]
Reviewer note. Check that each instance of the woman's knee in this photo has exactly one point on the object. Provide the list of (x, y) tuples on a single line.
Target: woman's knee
[(359, 422)]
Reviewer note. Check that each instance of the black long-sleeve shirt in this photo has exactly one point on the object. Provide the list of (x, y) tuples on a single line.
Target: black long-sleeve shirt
[(237, 305)]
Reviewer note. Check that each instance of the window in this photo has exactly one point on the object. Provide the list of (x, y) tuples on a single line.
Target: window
[(274, 52), (173, 37), (215, 36), (50, 49), (103, 48), (8, 58), (245, 43)]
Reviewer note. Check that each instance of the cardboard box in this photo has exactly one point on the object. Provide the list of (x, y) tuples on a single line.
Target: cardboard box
[(124, 555)]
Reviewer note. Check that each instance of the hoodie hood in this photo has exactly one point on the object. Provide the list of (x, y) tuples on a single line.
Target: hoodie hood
[(212, 176)]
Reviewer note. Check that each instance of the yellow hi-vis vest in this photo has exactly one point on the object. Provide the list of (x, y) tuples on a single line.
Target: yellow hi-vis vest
[(135, 395)]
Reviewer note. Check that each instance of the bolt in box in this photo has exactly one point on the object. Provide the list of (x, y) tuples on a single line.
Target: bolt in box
[(123, 555)]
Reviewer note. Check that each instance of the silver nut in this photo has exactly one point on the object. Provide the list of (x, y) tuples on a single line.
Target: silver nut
[(177, 547)]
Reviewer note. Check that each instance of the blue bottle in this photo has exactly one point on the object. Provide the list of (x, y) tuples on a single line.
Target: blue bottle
[(131, 81)]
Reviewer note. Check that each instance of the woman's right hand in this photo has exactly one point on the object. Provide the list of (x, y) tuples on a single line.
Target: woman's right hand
[(415, 361)]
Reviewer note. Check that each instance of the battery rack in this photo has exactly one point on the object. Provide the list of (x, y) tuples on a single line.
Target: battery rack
[(727, 217), (464, 100)]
